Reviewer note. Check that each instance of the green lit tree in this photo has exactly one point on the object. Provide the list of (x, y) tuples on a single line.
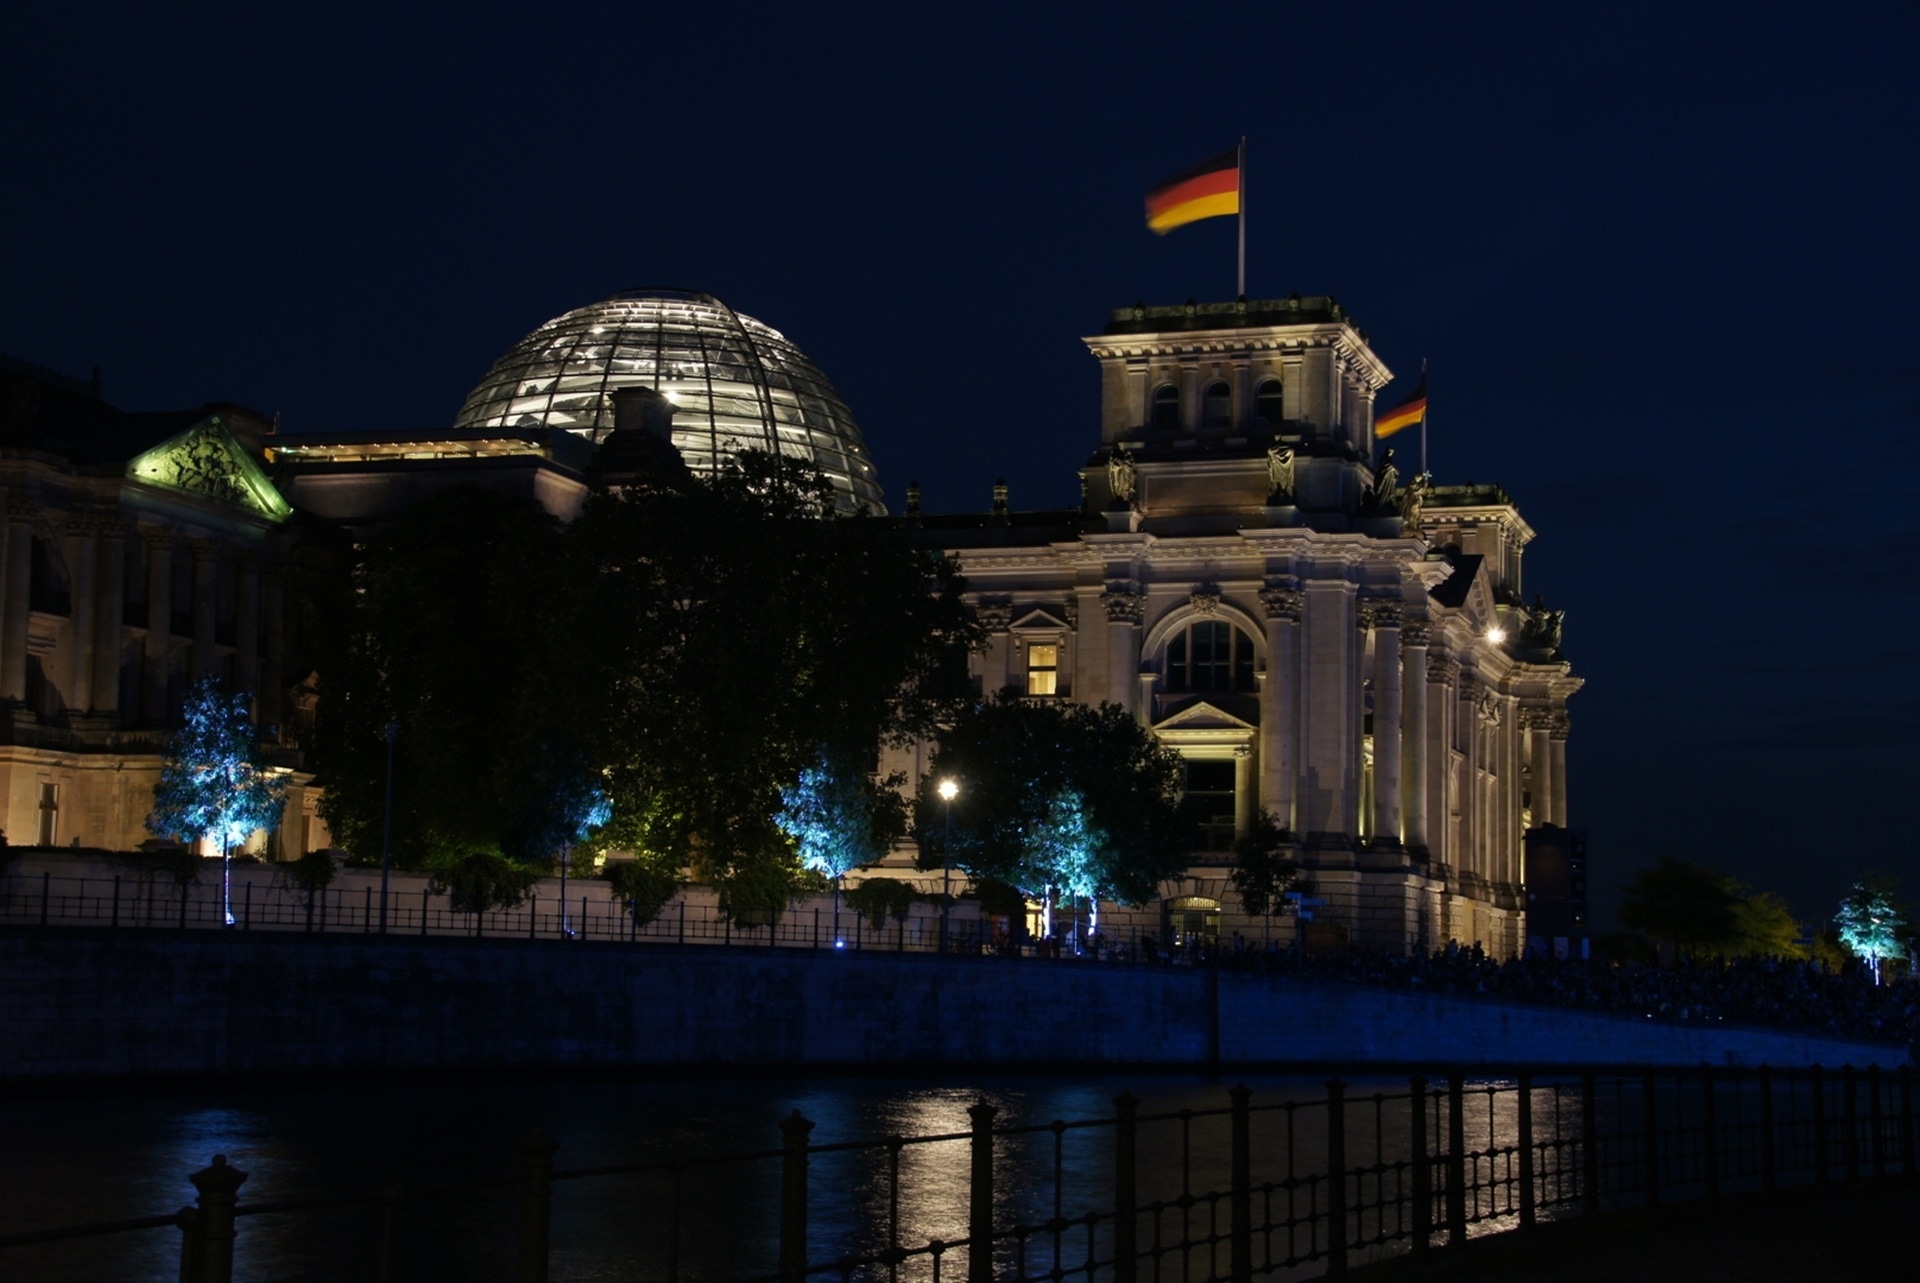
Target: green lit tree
[(213, 785), (1869, 922)]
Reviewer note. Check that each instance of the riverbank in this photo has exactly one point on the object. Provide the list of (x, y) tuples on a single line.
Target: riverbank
[(84, 1004)]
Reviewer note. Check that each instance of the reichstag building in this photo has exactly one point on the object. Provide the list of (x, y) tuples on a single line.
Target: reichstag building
[(1318, 634)]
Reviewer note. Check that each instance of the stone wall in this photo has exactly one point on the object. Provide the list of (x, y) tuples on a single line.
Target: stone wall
[(87, 1003)]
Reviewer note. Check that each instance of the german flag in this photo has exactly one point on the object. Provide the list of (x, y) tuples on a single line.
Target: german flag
[(1409, 412), (1208, 190)]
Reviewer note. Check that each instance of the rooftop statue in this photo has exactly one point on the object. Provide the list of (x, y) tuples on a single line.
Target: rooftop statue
[(1121, 474), (1386, 483), (1412, 499)]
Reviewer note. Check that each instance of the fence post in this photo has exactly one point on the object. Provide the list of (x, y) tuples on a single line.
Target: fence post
[(1709, 1132), (183, 906), (980, 1197), (1820, 1162), (1876, 1121), (533, 914), (116, 900), (46, 880), (1422, 1168), (211, 1239), (366, 908), (1526, 1150), (1337, 1233), (1456, 1161), (793, 1198), (1241, 1196), (536, 1206), (1589, 1145), (1769, 1161), (1125, 1186), (1906, 1118), (1649, 1124), (246, 908), (1850, 1138), (425, 895)]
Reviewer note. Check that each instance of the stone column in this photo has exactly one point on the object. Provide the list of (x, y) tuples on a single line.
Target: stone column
[(80, 584), (19, 599), (1329, 803), (1533, 721), (1443, 672), (109, 615), (246, 625), (206, 598), (153, 702), (1413, 737), (1385, 619), (272, 678), (1558, 740), (1242, 790), (1126, 606), (1279, 702)]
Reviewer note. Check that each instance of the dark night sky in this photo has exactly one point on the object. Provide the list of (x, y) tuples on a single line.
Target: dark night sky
[(1661, 258)]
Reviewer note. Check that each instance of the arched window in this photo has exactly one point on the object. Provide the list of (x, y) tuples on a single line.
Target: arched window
[(1216, 407), (1166, 409), (1209, 655), (1267, 403)]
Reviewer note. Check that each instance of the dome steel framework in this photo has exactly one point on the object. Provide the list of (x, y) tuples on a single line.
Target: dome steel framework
[(736, 384)]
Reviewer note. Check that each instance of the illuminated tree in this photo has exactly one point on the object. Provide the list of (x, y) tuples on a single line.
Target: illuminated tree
[(213, 786), (1057, 797), (1869, 922)]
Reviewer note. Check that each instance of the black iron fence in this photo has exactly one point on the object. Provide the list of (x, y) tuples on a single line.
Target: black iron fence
[(1284, 1186), (140, 901)]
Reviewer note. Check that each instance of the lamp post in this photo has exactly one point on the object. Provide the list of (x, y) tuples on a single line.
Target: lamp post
[(947, 791), (391, 735)]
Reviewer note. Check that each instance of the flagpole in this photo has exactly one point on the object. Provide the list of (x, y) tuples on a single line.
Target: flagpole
[(1423, 418), (1242, 292)]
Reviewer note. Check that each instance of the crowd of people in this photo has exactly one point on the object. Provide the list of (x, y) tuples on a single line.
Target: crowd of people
[(1765, 992)]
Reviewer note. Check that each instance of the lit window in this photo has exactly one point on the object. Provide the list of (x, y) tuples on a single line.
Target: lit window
[(1267, 403), (1216, 407), (1166, 408), (1210, 656), (1043, 669)]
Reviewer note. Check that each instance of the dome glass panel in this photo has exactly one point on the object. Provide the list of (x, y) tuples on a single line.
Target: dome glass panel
[(735, 384)]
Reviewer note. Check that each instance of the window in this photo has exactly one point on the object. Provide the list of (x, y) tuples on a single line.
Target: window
[(1268, 403), (1209, 795), (1043, 668), (49, 814), (1216, 407), (1166, 409), (1210, 656)]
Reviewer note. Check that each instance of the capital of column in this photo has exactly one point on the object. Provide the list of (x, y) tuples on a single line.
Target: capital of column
[(1379, 612), (204, 549), (156, 538), (1414, 633), (1282, 600), (1124, 601), (995, 616), (1444, 669), (1553, 721)]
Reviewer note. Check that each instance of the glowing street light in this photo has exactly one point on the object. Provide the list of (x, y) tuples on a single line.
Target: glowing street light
[(948, 791), (1496, 634)]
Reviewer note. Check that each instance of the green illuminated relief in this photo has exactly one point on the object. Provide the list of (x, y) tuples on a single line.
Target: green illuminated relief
[(206, 460)]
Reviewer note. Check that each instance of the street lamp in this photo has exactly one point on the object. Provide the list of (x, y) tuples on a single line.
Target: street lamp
[(948, 789)]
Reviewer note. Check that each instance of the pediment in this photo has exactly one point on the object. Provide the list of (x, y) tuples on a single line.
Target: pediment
[(208, 462), (1202, 716), (1039, 618)]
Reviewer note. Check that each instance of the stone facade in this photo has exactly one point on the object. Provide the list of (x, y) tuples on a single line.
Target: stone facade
[(1249, 581)]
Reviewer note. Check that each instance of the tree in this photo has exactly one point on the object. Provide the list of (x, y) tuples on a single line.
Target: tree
[(878, 899), (1262, 873), (644, 886), (1690, 909), (479, 881), (1869, 922), (1057, 797), (213, 785)]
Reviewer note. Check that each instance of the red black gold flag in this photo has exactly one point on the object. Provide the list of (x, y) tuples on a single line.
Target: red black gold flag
[(1404, 415), (1208, 190)]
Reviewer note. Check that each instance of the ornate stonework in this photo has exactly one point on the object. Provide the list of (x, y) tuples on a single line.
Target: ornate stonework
[(205, 461), (1124, 601), (1379, 612), (1205, 598), (1282, 601), (1442, 668), (995, 616), (1414, 633)]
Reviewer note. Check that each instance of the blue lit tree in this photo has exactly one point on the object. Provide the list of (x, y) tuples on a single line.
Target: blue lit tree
[(1869, 922), (213, 786), (839, 818)]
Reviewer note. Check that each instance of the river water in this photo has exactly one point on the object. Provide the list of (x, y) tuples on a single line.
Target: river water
[(71, 1160)]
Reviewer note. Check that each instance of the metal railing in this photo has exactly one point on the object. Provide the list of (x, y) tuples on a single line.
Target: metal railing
[(137, 901), (1255, 1188)]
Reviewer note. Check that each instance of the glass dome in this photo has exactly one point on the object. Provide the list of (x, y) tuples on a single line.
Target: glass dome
[(736, 384)]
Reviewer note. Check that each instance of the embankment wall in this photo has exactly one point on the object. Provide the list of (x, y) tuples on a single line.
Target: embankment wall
[(83, 1003)]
